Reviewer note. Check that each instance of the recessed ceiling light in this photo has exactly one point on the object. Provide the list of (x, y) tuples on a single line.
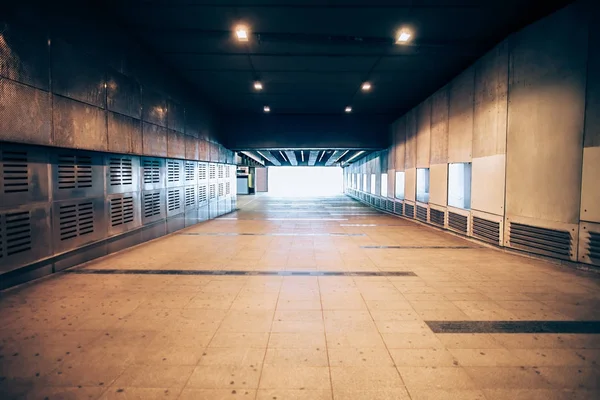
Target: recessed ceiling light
[(267, 109), (403, 36), (241, 32), (348, 109), (366, 86), (258, 85)]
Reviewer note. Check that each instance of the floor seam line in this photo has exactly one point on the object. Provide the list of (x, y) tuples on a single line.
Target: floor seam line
[(325, 335)]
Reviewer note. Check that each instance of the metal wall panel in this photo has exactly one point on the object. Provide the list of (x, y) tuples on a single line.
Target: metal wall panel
[(23, 175), (175, 173), (123, 212), (78, 222), (123, 95), (122, 173), (154, 107), (77, 174), (79, 125), (124, 134), (154, 139), (153, 206), (152, 173)]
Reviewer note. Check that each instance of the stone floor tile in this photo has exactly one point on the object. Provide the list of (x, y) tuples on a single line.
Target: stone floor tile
[(365, 378), (429, 378), (294, 377)]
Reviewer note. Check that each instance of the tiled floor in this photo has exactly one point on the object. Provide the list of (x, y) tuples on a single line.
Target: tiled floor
[(154, 336)]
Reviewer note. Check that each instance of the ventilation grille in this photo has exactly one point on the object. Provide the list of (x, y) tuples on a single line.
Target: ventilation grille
[(74, 171), (488, 231), (151, 204), (389, 205), (540, 240), (189, 171), (173, 173), (212, 171), (202, 171), (120, 171), (190, 196), (221, 172), (221, 190), (15, 238), (593, 247), (437, 217), (173, 200), (458, 222), (201, 194), (422, 213), (227, 171), (227, 188), (409, 210), (15, 171), (212, 192), (76, 220), (398, 208), (121, 210), (151, 171)]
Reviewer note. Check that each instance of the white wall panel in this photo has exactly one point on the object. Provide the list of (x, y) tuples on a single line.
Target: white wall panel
[(410, 184), (438, 184), (487, 187)]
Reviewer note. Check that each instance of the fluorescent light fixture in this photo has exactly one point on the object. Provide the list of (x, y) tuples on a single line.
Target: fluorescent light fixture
[(282, 155), (262, 155), (366, 86), (241, 32), (302, 154), (403, 36), (322, 154), (342, 156), (354, 156), (258, 85), (348, 109), (267, 109)]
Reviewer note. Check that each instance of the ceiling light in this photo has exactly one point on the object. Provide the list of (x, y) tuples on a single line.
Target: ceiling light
[(354, 156), (342, 156), (403, 36), (267, 109), (258, 85), (348, 109), (366, 86), (241, 32)]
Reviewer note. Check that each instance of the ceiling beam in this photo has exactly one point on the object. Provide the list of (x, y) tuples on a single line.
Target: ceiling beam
[(268, 156), (291, 157), (312, 158), (254, 156), (334, 157)]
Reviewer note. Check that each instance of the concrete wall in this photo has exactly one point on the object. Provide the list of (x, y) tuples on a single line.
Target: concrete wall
[(525, 116)]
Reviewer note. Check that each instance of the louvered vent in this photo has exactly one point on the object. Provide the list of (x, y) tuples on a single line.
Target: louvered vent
[(151, 171), (458, 222), (202, 171), (488, 231), (120, 171), (173, 200), (121, 210), (212, 173), (409, 210), (221, 171), (540, 240), (389, 205), (221, 190), (201, 194), (593, 247), (74, 171), (190, 196), (151, 204), (422, 213), (227, 171), (173, 173), (15, 238), (212, 192), (227, 188), (437, 217), (189, 171), (398, 208), (15, 171), (76, 220)]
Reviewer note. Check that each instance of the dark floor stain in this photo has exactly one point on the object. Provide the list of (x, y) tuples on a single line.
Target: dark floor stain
[(581, 327), (420, 247)]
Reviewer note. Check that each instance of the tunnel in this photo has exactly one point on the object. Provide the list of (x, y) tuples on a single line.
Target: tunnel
[(320, 200)]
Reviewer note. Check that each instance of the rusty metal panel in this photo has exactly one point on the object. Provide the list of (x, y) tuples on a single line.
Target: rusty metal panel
[(124, 134), (123, 95), (23, 175), (154, 140), (79, 125), (76, 75), (77, 174), (24, 236), (176, 144), (25, 115), (78, 222), (154, 107), (176, 116), (191, 148), (25, 56)]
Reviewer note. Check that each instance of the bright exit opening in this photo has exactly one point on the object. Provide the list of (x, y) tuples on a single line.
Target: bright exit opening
[(305, 181)]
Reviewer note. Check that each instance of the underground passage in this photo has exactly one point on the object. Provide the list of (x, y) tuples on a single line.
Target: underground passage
[(271, 200)]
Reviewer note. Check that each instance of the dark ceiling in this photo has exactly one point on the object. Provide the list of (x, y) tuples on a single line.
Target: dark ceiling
[(313, 55), (306, 157)]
